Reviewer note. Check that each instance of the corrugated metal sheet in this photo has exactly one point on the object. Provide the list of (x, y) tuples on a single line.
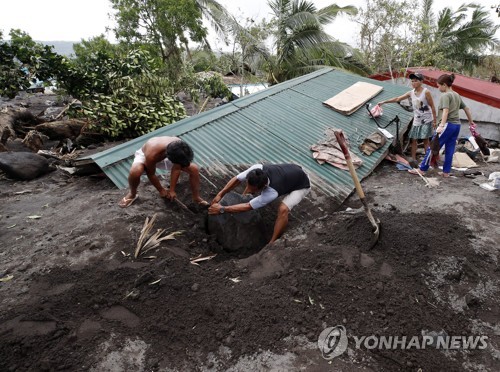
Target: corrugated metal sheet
[(275, 125)]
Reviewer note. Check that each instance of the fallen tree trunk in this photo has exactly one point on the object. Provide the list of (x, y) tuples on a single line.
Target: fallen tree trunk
[(59, 130)]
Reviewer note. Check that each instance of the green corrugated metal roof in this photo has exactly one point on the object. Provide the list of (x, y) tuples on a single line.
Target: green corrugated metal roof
[(276, 125)]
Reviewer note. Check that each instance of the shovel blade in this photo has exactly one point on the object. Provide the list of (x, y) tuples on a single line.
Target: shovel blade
[(375, 234), (376, 226)]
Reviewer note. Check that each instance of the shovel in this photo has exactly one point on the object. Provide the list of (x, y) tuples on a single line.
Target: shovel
[(375, 222)]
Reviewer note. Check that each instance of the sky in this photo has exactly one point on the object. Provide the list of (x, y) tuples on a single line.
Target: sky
[(55, 20), (73, 20)]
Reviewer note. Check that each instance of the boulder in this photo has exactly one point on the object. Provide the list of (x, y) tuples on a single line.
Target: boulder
[(23, 166), (238, 231)]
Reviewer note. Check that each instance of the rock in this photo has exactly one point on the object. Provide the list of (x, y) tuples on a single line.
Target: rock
[(23, 166), (195, 287), (238, 231)]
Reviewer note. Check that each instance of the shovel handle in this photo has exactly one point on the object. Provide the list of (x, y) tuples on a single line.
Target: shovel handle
[(343, 145)]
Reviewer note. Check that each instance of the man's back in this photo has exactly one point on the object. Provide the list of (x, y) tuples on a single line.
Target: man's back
[(155, 148), (285, 178)]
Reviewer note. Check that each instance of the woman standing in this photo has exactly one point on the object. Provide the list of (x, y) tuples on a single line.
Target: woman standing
[(424, 112), (450, 104)]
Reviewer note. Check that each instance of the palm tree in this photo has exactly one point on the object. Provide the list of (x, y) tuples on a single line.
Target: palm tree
[(459, 39), (301, 44), (427, 21), (216, 14)]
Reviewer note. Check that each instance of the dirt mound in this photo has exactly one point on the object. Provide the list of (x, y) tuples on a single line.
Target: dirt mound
[(185, 312), (72, 298)]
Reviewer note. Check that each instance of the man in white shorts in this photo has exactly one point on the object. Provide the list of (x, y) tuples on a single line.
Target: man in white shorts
[(169, 153), (272, 181)]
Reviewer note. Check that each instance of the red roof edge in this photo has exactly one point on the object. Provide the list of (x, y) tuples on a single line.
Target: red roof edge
[(476, 89)]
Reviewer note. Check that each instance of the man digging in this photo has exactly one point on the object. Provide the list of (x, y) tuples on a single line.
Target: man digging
[(272, 181), (169, 153)]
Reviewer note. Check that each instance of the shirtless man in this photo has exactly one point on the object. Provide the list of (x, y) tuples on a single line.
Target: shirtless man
[(169, 153)]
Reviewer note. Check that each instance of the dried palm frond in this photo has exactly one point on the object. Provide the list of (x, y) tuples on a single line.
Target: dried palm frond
[(148, 242), (200, 258)]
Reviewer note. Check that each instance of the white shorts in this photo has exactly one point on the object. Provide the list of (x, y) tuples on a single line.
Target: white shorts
[(141, 159), (294, 198)]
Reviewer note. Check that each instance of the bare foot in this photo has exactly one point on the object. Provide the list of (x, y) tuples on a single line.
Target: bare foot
[(201, 202)]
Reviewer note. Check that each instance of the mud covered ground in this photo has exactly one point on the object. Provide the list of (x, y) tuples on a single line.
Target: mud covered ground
[(77, 300)]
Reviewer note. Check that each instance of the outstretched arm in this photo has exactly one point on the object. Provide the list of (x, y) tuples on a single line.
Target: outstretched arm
[(394, 99), (237, 208), (233, 183)]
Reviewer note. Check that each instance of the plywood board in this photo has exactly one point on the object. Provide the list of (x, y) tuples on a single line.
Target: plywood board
[(462, 160), (352, 98)]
